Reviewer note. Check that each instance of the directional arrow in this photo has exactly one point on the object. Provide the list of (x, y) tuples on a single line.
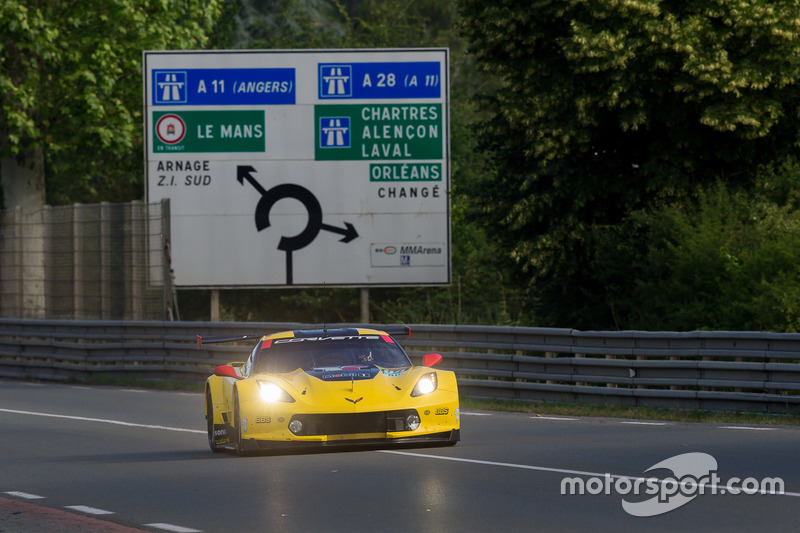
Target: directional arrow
[(349, 231), (243, 173)]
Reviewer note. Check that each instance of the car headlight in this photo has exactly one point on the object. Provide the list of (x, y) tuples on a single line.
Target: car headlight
[(271, 393), (426, 384)]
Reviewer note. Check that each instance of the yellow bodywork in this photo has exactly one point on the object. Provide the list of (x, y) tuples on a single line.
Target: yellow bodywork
[(261, 424)]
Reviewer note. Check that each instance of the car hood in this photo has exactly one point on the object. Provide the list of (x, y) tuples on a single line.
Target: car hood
[(353, 388)]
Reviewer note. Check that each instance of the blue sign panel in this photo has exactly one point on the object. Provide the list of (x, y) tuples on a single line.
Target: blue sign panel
[(343, 81), (334, 132), (252, 86)]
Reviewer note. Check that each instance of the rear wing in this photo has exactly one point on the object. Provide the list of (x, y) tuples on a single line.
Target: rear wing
[(398, 330), (217, 340), (391, 330)]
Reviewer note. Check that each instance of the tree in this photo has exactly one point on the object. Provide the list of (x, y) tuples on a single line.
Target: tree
[(71, 92), (728, 262), (608, 107)]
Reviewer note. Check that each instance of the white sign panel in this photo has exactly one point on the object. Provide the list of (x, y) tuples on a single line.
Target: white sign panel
[(302, 167)]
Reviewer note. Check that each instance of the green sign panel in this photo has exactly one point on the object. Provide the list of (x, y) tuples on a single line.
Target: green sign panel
[(378, 132), (405, 172), (208, 131)]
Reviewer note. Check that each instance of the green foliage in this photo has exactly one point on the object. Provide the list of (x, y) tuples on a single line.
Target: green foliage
[(70, 82), (284, 24), (724, 259), (608, 108), (338, 24), (308, 306), (727, 263)]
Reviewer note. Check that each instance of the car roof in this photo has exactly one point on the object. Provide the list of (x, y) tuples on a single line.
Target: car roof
[(336, 332)]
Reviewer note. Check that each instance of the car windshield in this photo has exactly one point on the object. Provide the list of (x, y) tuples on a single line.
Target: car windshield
[(285, 355)]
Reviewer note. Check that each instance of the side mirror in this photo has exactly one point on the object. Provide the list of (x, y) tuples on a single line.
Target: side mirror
[(226, 371), (431, 359)]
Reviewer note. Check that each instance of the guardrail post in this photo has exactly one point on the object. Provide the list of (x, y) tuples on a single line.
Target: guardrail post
[(611, 385), (575, 368), (702, 375), (634, 372), (674, 358), (550, 355), (491, 378)]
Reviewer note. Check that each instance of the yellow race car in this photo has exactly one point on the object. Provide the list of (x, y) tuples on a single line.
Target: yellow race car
[(329, 387)]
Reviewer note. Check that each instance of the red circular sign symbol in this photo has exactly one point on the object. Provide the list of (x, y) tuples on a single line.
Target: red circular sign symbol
[(170, 129)]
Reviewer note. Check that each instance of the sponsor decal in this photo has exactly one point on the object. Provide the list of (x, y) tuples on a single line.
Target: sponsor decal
[(347, 375), (244, 425), (408, 254), (341, 374), (336, 338)]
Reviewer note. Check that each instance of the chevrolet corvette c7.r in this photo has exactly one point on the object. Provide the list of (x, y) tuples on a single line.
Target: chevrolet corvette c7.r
[(329, 387)]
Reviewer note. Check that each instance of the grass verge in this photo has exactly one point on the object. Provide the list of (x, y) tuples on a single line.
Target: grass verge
[(638, 413)]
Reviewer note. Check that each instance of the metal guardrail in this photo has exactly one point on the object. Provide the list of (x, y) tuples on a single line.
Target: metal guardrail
[(709, 370)]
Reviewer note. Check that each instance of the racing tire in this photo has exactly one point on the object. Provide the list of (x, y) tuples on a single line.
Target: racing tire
[(210, 424)]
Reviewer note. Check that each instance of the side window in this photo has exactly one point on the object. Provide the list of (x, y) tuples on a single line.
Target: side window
[(248, 365)]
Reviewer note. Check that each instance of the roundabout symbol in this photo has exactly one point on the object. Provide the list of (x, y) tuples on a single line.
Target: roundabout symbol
[(289, 190)]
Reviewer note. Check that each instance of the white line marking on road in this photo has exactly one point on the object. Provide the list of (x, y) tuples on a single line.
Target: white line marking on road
[(88, 510), (468, 413), (170, 527), (645, 423), (562, 470), (746, 427), (117, 422), (24, 495), (565, 418)]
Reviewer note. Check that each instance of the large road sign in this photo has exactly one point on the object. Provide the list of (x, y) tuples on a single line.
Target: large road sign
[(301, 167)]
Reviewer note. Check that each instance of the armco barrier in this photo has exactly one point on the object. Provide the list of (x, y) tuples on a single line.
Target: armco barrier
[(712, 370)]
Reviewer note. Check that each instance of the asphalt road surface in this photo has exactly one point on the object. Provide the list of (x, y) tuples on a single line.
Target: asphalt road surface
[(122, 458)]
